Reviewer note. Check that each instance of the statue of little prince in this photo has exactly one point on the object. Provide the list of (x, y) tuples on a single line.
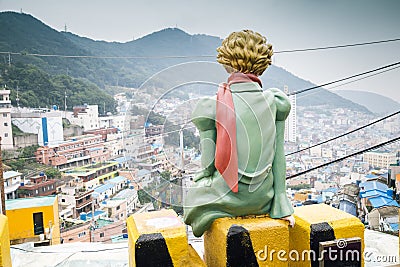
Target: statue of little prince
[(243, 166)]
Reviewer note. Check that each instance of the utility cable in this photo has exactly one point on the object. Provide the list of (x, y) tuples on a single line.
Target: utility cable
[(344, 79), (347, 133), (345, 157)]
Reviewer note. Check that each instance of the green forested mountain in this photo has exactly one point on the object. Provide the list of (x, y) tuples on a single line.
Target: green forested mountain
[(36, 88), (127, 64)]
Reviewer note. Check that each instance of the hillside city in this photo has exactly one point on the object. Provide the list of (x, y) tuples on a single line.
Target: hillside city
[(87, 146), (107, 167)]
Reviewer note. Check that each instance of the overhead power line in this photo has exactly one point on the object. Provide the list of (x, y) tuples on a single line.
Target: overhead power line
[(362, 78), (337, 46), (345, 157), (347, 133), (344, 79), (195, 56)]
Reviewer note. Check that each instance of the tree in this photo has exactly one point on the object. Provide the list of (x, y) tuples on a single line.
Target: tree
[(143, 196), (53, 173), (166, 175)]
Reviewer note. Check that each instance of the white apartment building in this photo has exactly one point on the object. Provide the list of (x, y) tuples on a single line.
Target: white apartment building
[(291, 121), (86, 116), (5, 120), (380, 159), (122, 122)]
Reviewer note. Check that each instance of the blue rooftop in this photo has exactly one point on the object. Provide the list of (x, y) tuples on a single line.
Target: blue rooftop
[(103, 188), (371, 185), (372, 193), (381, 201), (331, 189), (371, 176), (395, 226), (123, 159)]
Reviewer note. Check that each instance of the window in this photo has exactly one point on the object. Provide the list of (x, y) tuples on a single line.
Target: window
[(5, 134), (4, 115), (101, 234), (118, 207), (63, 200), (81, 234), (5, 124)]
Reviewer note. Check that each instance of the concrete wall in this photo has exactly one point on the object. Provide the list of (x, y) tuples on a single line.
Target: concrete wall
[(73, 130), (21, 141)]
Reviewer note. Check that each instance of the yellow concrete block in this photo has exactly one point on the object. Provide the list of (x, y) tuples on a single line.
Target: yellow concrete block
[(246, 241), (5, 254), (159, 239), (319, 223)]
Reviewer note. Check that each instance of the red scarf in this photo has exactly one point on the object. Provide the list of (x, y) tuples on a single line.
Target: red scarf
[(226, 157)]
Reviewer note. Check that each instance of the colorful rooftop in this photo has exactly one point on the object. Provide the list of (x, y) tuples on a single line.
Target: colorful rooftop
[(93, 168), (23, 203)]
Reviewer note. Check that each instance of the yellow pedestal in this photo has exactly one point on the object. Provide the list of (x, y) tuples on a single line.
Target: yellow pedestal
[(323, 228), (5, 254), (256, 241), (159, 239)]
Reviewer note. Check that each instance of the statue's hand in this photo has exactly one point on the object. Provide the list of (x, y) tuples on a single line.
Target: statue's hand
[(290, 219)]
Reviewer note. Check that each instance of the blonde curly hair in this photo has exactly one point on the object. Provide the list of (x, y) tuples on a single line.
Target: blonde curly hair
[(245, 51)]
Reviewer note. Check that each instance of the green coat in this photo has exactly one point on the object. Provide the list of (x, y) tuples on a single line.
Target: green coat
[(260, 126)]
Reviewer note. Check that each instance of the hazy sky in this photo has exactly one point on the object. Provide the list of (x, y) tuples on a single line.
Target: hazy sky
[(286, 24)]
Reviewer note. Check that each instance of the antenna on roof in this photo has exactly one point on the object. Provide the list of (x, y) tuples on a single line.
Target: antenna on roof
[(65, 27)]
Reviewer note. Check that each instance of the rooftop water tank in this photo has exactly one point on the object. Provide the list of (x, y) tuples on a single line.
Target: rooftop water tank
[(82, 216)]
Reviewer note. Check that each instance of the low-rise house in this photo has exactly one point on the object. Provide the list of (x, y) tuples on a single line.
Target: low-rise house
[(132, 199), (12, 181), (384, 219), (119, 182), (38, 186), (33, 219), (102, 192), (115, 209), (109, 188)]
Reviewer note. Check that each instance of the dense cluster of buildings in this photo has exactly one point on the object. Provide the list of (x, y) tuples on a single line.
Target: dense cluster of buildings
[(106, 159)]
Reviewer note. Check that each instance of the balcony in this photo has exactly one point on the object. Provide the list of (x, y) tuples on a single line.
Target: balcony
[(83, 203)]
